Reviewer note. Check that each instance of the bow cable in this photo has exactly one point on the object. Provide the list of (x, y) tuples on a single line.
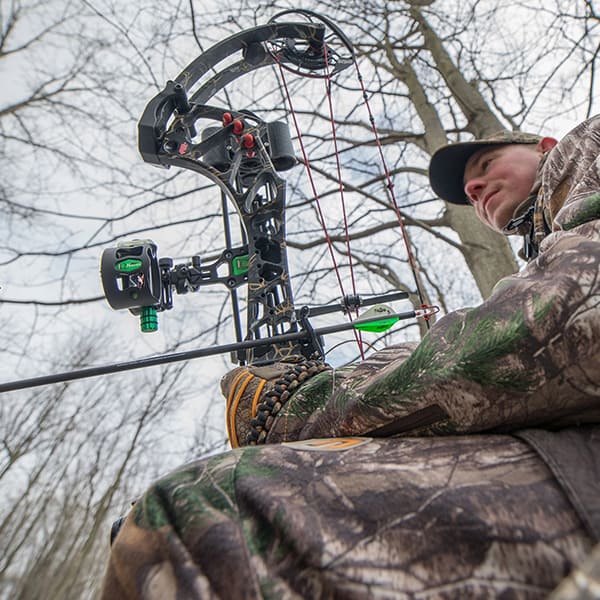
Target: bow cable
[(313, 186), (389, 183), (233, 295)]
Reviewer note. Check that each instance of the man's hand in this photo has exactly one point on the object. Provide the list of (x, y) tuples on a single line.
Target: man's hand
[(256, 394)]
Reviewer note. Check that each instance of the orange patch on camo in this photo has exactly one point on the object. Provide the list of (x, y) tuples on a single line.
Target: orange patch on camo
[(328, 444)]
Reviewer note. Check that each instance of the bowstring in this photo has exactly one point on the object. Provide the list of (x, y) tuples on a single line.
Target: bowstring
[(390, 187), (317, 203)]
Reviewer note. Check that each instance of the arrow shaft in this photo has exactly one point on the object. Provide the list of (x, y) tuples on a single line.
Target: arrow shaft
[(163, 359)]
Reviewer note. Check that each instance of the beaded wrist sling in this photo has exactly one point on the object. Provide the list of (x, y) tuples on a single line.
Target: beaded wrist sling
[(261, 400)]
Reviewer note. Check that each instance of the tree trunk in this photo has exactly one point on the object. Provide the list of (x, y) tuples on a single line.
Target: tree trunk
[(488, 255)]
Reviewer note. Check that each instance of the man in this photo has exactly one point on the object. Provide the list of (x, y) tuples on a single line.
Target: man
[(490, 486)]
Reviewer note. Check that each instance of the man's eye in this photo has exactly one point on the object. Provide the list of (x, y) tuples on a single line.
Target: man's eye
[(485, 164)]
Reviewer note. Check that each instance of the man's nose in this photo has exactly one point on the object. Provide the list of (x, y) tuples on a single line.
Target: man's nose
[(473, 189)]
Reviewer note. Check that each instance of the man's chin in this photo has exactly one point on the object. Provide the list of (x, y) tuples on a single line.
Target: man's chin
[(492, 222), (494, 225), (497, 221)]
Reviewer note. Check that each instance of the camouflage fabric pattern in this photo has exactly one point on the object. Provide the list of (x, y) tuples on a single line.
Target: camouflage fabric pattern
[(466, 517), (443, 511), (583, 583), (528, 356)]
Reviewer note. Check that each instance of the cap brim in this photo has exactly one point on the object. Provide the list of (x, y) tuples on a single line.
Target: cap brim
[(447, 168)]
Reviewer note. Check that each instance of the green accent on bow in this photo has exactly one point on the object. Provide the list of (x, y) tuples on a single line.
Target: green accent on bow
[(128, 265)]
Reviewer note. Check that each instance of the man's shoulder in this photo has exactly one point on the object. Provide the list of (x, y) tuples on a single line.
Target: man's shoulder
[(571, 177), (587, 132)]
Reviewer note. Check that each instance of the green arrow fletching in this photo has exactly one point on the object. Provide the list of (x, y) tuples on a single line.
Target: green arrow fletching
[(381, 325)]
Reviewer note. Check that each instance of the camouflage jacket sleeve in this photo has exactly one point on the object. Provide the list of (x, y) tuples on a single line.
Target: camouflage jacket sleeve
[(528, 356)]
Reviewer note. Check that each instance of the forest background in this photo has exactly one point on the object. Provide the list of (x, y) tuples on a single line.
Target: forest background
[(76, 76)]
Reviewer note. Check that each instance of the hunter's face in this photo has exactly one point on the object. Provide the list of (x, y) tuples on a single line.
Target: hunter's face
[(498, 179)]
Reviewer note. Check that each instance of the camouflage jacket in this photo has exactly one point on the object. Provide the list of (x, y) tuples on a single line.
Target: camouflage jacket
[(453, 517), (528, 356), (330, 507)]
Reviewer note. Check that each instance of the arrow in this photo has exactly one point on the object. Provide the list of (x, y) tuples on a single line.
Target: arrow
[(210, 351)]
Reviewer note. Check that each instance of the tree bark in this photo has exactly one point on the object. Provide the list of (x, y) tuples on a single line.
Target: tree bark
[(488, 255)]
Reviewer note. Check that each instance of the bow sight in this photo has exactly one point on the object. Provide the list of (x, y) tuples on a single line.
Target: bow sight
[(134, 277)]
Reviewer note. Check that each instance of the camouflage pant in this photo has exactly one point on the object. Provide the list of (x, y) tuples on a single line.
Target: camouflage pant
[(457, 517)]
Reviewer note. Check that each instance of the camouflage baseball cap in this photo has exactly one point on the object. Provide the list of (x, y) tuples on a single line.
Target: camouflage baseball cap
[(447, 166)]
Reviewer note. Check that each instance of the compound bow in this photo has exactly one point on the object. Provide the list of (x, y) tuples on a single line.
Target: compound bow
[(243, 155)]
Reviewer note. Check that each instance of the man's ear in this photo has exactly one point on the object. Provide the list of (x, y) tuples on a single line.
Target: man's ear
[(546, 144)]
